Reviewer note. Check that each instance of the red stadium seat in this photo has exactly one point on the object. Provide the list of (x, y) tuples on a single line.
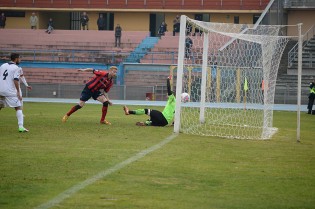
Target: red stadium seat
[(117, 4), (6, 3), (253, 4), (61, 4), (154, 4), (24, 3), (173, 4), (212, 4), (135, 4), (98, 4), (192, 4), (43, 4), (79, 4)]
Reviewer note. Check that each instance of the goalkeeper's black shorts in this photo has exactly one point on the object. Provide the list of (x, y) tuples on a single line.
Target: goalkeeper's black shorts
[(157, 118)]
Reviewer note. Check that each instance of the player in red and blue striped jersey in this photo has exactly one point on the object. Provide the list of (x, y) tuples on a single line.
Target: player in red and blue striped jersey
[(102, 81)]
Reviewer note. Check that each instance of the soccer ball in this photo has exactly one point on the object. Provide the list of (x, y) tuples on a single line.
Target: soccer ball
[(185, 97)]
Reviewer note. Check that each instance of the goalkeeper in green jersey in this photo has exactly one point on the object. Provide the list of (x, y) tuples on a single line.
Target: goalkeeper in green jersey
[(157, 118)]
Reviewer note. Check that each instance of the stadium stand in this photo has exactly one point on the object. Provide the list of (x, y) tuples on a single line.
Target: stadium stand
[(165, 51), (70, 45), (68, 39)]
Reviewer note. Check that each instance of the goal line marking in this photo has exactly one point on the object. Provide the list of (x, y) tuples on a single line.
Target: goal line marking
[(74, 189)]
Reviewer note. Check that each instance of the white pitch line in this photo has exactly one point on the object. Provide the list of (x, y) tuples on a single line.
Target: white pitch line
[(69, 192)]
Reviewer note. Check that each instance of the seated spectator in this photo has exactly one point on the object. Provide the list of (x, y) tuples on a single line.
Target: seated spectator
[(50, 27), (162, 29)]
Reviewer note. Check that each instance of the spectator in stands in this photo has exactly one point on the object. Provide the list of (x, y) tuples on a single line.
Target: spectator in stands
[(101, 24), (118, 30), (198, 30), (176, 25), (97, 88), (188, 28), (84, 21), (33, 21), (311, 98), (188, 45), (162, 29), (2, 20), (50, 25)]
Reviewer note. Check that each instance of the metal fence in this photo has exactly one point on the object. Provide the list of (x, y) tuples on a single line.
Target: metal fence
[(73, 91), (285, 94), (293, 53)]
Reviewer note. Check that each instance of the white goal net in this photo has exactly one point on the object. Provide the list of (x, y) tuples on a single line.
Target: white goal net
[(229, 71)]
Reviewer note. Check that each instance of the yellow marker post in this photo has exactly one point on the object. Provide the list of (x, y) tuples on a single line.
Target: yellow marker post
[(218, 89), (172, 68), (189, 79), (208, 84), (238, 85), (245, 92)]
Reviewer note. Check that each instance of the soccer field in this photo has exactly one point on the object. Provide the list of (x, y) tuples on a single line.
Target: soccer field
[(82, 164)]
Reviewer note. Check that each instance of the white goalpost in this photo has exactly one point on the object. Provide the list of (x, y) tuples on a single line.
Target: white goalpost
[(230, 77)]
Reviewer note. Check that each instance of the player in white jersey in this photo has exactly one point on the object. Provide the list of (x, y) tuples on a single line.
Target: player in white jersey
[(10, 74), (23, 79)]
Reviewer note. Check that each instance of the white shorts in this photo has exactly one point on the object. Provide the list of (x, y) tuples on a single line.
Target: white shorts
[(10, 102)]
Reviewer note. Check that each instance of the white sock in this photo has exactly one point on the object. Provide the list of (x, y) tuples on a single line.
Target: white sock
[(20, 118)]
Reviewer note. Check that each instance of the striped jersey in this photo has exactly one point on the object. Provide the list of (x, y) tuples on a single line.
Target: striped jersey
[(99, 81), (8, 73)]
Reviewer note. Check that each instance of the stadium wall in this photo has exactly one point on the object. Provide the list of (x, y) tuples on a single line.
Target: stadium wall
[(131, 21), (306, 17)]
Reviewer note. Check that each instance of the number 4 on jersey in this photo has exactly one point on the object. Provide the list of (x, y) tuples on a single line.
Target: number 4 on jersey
[(5, 74)]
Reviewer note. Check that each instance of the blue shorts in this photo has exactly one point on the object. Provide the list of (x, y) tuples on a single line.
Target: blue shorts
[(86, 94)]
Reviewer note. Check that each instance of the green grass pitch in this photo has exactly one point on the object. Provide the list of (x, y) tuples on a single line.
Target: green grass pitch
[(188, 172)]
